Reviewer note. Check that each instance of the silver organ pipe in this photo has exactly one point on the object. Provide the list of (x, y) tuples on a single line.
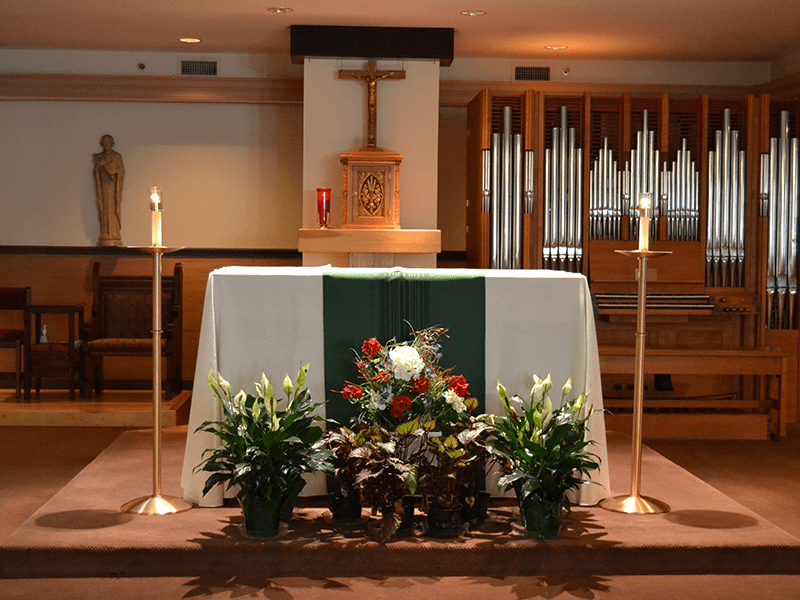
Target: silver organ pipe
[(779, 199), (614, 193), (726, 208), (509, 187), (563, 205)]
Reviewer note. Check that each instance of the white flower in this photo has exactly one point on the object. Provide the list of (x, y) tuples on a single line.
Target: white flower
[(537, 389), (455, 401), (376, 400), (563, 417), (407, 364), (567, 387)]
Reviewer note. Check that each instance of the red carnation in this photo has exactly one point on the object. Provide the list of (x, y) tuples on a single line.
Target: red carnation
[(352, 391), (420, 385), (459, 385), (371, 347), (400, 404)]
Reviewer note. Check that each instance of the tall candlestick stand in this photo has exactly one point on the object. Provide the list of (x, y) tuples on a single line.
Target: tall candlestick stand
[(156, 504), (634, 503)]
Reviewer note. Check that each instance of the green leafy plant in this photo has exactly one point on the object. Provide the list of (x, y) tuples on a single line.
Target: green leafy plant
[(453, 468), (384, 477), (267, 444), (542, 450)]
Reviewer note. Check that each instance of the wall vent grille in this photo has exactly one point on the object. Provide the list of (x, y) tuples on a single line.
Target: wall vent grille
[(199, 67), (531, 73)]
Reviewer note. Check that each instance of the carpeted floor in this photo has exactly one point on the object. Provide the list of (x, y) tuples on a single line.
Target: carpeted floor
[(54, 457)]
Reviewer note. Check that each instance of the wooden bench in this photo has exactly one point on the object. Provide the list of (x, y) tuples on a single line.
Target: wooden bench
[(620, 360), (121, 324)]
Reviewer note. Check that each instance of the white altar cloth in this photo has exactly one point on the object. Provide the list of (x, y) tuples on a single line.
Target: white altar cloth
[(269, 319)]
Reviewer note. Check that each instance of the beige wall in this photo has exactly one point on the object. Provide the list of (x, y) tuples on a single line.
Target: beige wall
[(229, 173), (233, 175)]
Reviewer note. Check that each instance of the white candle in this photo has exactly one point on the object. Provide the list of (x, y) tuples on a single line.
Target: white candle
[(644, 223), (155, 211)]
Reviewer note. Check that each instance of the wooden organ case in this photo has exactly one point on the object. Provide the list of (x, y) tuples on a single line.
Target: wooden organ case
[(552, 183)]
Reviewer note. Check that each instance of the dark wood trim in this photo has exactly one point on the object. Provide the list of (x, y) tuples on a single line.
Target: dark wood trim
[(139, 88), (459, 93), (240, 90), (249, 253), (784, 87)]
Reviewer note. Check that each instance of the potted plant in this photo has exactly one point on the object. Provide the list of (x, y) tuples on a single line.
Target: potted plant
[(266, 447), (384, 478), (543, 453), (347, 462), (406, 393)]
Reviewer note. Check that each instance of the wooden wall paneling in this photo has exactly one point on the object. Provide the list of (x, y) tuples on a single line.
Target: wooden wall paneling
[(67, 279), (478, 139)]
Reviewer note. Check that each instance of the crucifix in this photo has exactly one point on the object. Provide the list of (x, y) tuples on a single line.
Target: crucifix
[(371, 77)]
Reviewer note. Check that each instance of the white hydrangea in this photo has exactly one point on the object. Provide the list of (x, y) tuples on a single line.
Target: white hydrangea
[(454, 400), (407, 364)]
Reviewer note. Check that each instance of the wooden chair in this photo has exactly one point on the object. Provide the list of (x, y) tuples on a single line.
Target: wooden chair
[(16, 299), (121, 324)]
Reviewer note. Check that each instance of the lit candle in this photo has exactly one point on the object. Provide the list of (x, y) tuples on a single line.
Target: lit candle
[(645, 210), (323, 206), (155, 211)]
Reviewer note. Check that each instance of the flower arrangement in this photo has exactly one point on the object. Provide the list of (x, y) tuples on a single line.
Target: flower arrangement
[(543, 451), (403, 381), (267, 444)]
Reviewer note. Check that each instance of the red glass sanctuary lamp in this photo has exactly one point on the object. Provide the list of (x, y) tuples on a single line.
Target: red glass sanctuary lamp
[(324, 207)]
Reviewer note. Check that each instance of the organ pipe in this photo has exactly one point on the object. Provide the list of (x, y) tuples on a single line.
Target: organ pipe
[(726, 208), (779, 200)]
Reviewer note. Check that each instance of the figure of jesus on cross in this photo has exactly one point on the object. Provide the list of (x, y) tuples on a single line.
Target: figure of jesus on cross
[(371, 77)]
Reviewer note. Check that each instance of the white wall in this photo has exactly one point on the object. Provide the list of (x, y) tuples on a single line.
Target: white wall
[(229, 172)]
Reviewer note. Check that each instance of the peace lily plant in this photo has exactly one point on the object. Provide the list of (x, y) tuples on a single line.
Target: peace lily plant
[(543, 451), (267, 444)]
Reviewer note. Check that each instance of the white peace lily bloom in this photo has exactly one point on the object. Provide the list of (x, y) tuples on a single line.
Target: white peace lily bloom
[(537, 389), (455, 401), (567, 387), (238, 399), (407, 364), (563, 418), (516, 403)]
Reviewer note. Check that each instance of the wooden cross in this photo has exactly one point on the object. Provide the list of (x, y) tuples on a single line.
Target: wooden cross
[(371, 77)]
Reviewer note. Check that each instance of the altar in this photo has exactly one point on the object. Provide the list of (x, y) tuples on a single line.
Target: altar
[(273, 320)]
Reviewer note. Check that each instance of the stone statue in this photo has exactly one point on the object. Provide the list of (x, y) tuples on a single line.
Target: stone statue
[(109, 175)]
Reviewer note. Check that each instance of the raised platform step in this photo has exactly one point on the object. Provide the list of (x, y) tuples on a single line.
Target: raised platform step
[(697, 426), (81, 532), (114, 408)]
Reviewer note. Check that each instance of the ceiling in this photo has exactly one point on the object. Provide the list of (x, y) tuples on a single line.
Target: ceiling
[(683, 30)]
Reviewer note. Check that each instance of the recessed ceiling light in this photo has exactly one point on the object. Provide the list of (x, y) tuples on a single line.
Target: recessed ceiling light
[(190, 40), (556, 47), (473, 13), (279, 9)]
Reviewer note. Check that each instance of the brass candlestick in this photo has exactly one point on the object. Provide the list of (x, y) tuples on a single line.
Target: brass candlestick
[(156, 504), (634, 503)]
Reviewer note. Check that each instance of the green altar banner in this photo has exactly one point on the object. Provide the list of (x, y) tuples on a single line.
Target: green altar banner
[(359, 306)]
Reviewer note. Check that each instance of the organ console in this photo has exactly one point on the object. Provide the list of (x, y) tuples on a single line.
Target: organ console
[(553, 182)]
